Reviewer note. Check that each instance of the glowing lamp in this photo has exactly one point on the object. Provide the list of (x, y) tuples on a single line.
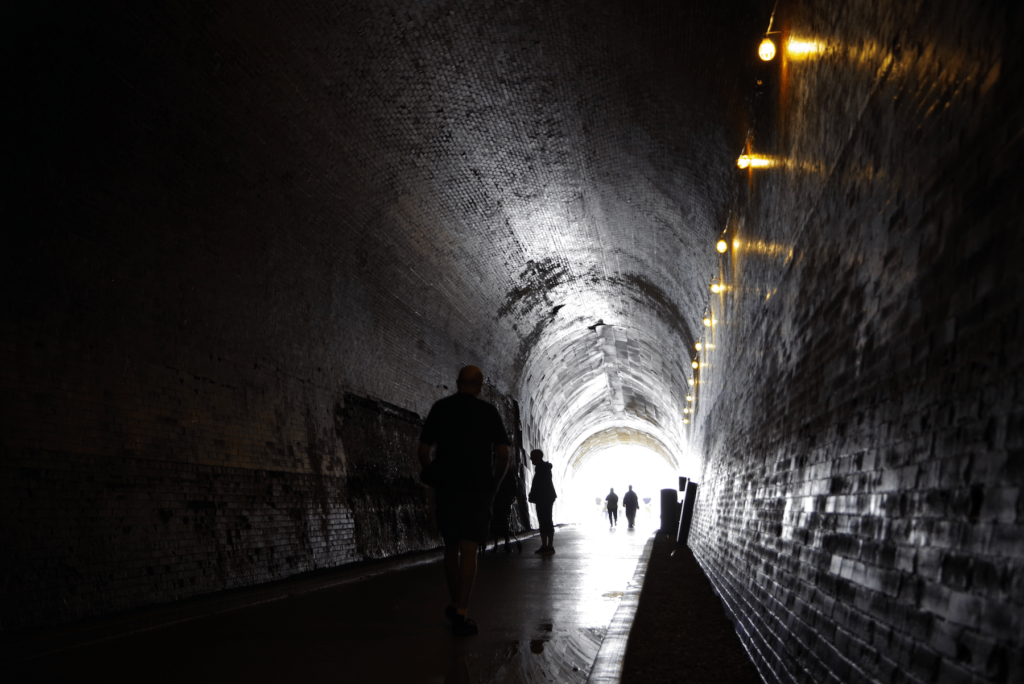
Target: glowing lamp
[(757, 161), (766, 50), (686, 420), (800, 49), (716, 288), (690, 380), (722, 244), (698, 346), (707, 322), (686, 410), (689, 397), (695, 364)]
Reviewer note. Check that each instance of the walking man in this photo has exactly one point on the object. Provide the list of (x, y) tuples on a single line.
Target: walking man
[(465, 429), (542, 494), (612, 501), (630, 503)]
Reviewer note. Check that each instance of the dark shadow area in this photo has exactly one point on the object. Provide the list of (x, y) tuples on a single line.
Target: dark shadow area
[(542, 619), (680, 632)]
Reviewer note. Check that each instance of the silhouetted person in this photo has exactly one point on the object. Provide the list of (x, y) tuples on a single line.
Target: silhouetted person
[(630, 503), (612, 501), (464, 429), (542, 494)]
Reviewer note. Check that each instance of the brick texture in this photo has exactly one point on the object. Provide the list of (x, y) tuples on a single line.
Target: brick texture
[(254, 242), (860, 511)]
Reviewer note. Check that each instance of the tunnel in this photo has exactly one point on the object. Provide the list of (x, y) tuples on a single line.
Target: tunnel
[(249, 245)]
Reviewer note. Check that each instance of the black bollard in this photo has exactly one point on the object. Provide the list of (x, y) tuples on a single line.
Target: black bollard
[(669, 511), (686, 515)]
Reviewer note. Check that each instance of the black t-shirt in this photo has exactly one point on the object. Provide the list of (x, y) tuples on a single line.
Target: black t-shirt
[(465, 429), (629, 500), (613, 501)]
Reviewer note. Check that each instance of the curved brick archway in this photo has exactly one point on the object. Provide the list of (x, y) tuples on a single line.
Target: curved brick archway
[(612, 438), (254, 242)]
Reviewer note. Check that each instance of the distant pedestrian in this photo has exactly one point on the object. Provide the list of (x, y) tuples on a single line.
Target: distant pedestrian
[(542, 495), (465, 429), (630, 503), (612, 502)]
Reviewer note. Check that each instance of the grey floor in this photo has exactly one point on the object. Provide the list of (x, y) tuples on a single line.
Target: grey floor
[(542, 619)]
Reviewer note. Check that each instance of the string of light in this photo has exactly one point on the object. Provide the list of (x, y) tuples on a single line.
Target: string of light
[(766, 51)]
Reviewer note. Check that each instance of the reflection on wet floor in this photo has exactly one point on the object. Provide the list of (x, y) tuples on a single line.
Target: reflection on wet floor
[(542, 619), (562, 656)]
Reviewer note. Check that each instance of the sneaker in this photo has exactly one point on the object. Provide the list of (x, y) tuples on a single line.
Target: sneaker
[(463, 626), (548, 550), (541, 549)]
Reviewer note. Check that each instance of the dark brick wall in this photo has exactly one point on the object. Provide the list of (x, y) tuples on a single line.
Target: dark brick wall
[(255, 241), (861, 410), (86, 536), (123, 485), (224, 309)]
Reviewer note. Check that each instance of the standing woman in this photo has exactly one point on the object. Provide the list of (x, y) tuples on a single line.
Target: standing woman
[(542, 494)]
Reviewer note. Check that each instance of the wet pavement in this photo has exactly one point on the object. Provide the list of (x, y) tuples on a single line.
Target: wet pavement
[(542, 619)]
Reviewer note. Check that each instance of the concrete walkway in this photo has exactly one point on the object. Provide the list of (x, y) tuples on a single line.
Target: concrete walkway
[(542, 619)]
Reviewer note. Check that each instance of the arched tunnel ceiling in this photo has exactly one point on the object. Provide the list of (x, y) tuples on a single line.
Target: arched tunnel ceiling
[(549, 165), (610, 438), (493, 177)]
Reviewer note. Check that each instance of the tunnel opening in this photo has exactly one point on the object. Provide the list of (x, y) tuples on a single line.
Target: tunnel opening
[(619, 467)]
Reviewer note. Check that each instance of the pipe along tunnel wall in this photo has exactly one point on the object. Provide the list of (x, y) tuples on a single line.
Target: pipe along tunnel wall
[(252, 246)]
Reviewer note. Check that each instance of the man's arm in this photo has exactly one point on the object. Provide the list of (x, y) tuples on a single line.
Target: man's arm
[(424, 454)]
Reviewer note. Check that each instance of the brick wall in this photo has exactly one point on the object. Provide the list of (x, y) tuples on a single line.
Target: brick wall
[(860, 411), (255, 240), (124, 485), (217, 339)]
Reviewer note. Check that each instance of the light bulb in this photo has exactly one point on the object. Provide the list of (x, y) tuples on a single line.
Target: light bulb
[(689, 397), (686, 410), (686, 420), (698, 346), (716, 288), (695, 364), (722, 244), (766, 50), (799, 49), (690, 380), (707, 322)]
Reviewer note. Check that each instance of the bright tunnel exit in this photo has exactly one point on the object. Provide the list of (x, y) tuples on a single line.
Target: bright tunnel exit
[(584, 491)]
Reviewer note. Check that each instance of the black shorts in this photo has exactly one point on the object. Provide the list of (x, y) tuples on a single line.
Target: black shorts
[(462, 517), (544, 519)]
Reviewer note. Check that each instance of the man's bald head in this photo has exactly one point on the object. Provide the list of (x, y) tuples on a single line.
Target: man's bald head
[(470, 380)]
